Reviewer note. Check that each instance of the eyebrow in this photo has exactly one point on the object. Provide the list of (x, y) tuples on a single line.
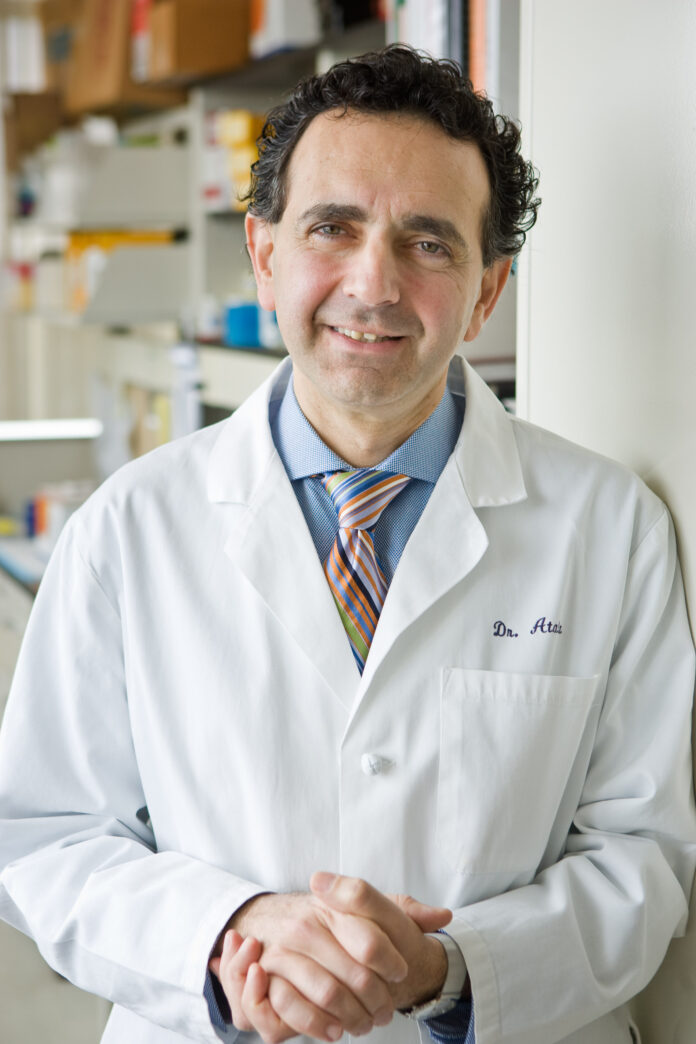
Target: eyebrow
[(332, 212), (441, 228)]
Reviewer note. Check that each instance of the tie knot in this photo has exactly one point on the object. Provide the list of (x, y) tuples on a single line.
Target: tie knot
[(361, 496)]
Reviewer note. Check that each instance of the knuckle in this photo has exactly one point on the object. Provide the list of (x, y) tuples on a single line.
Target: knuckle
[(363, 981), (359, 889), (312, 1024), (304, 928), (280, 996), (328, 994), (368, 949)]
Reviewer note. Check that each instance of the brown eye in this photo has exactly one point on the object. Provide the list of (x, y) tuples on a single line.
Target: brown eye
[(428, 247)]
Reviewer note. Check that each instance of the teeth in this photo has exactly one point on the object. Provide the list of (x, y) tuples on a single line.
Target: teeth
[(356, 336)]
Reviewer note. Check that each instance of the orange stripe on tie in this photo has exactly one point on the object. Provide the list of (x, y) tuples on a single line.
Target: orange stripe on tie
[(359, 498)]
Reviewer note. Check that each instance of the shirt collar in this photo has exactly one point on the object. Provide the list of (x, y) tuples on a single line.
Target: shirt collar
[(422, 456)]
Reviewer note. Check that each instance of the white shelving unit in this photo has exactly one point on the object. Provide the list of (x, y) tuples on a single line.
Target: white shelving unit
[(228, 377), (144, 284), (139, 186)]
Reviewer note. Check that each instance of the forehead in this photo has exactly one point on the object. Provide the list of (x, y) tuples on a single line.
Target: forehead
[(399, 162)]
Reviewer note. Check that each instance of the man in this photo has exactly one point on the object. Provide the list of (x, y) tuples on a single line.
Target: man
[(370, 626)]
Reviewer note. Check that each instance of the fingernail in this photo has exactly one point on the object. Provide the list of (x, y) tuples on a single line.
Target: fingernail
[(334, 1032), (321, 882), (383, 1017)]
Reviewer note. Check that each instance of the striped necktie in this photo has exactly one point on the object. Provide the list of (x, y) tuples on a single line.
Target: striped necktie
[(355, 578)]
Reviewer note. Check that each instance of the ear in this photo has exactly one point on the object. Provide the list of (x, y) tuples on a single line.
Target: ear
[(492, 282), (259, 237)]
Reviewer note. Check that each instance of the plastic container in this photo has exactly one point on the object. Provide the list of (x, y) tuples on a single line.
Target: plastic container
[(242, 324)]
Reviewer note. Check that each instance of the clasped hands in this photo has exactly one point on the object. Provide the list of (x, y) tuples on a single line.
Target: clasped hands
[(340, 958)]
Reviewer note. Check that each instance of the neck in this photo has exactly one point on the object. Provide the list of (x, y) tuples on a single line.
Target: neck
[(364, 436)]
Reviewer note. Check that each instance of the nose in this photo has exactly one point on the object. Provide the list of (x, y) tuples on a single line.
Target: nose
[(372, 276)]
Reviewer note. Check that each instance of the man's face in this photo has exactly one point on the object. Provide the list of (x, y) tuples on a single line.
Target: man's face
[(375, 268)]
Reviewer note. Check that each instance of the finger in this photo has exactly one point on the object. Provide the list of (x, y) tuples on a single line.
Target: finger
[(351, 894), (357, 954), (238, 955), (374, 933), (370, 948), (323, 990), (258, 1010), (428, 918), (234, 944), (300, 1014)]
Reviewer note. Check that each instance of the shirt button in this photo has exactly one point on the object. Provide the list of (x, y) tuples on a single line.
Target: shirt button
[(373, 764)]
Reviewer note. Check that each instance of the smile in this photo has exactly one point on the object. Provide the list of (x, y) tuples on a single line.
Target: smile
[(357, 335)]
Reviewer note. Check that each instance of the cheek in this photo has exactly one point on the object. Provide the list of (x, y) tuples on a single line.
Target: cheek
[(441, 306), (303, 283)]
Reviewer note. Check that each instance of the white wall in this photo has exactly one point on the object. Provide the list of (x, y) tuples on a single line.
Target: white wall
[(607, 288)]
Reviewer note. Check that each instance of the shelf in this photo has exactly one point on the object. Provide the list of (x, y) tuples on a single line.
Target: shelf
[(141, 186), (119, 186), (16, 592), (61, 429), (24, 561), (283, 69), (136, 359), (143, 284), (228, 376), (250, 349)]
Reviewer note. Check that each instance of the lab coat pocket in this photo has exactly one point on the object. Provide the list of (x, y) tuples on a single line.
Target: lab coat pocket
[(507, 746)]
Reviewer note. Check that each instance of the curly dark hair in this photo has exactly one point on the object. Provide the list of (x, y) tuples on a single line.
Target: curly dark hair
[(399, 79)]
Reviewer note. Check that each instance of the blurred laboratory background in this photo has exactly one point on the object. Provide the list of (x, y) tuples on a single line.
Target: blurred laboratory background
[(128, 315)]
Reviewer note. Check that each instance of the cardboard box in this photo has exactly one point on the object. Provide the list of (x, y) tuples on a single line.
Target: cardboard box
[(30, 120), (9, 131), (194, 38), (280, 24), (60, 20), (100, 77)]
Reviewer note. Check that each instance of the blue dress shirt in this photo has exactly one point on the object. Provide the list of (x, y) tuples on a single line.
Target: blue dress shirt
[(422, 457)]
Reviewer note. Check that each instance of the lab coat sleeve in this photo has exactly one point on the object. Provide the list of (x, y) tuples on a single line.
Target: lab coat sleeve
[(591, 930), (79, 870)]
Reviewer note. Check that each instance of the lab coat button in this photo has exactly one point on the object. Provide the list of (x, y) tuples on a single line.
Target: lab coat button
[(373, 764)]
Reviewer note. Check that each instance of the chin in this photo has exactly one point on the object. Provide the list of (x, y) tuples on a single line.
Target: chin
[(367, 394)]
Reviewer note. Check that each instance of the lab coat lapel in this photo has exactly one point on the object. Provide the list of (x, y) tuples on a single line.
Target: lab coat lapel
[(449, 539), (247, 476)]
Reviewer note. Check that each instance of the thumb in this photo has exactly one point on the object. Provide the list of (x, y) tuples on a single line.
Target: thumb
[(428, 918)]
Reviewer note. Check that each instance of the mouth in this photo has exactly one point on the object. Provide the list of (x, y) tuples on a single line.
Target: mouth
[(364, 336)]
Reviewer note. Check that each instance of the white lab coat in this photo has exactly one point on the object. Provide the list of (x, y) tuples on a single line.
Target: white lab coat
[(525, 702)]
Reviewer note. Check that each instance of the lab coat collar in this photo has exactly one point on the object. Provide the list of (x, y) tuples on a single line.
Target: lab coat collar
[(246, 471), (486, 452), (450, 539), (244, 450), (246, 474)]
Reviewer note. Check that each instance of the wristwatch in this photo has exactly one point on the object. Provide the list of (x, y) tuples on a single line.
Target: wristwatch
[(451, 992)]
